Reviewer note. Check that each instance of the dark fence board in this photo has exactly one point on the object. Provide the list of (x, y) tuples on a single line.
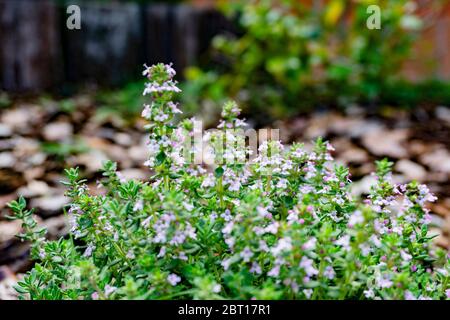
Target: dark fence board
[(38, 52), (30, 58), (107, 49), (158, 32)]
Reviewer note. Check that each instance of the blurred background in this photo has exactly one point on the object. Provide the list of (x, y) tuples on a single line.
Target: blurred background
[(308, 67)]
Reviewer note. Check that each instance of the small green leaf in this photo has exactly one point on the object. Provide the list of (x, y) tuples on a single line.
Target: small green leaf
[(218, 172)]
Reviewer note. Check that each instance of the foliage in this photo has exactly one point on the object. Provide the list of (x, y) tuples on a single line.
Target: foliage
[(403, 93), (124, 103), (294, 56), (63, 149), (282, 226), (5, 100)]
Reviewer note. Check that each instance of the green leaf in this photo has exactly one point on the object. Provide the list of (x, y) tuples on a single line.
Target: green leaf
[(160, 158), (218, 172), (20, 289)]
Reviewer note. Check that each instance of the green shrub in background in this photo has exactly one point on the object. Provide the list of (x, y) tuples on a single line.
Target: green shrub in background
[(294, 56)]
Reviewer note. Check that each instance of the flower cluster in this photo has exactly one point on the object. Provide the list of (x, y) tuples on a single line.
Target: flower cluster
[(281, 226)]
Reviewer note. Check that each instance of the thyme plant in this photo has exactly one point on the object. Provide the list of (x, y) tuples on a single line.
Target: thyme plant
[(280, 226)]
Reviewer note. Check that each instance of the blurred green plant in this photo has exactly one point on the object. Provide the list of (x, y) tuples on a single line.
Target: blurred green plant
[(295, 56), (61, 150), (429, 92), (124, 104), (5, 101)]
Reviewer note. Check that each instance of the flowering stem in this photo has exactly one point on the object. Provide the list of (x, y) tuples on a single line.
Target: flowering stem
[(220, 191), (122, 253), (321, 267), (444, 285), (166, 181), (268, 183)]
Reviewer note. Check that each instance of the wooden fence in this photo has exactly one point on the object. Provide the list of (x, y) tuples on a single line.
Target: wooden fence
[(38, 51)]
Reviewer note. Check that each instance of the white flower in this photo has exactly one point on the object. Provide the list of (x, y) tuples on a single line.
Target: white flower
[(174, 107), (228, 228), (173, 279), (263, 246), (234, 185), (355, 218), (272, 228), (282, 184), (375, 240), (147, 111), (209, 181), (307, 265), (369, 294), (230, 242), (226, 263), (109, 290), (308, 293), (88, 252), (182, 256), (284, 244), (256, 268), (139, 205), (274, 272), (146, 222), (216, 288), (365, 249), (344, 242), (162, 252), (262, 211), (329, 272), (310, 244), (405, 256), (170, 71), (161, 117), (130, 255), (409, 295), (246, 254), (121, 177), (383, 281), (188, 206), (226, 215)]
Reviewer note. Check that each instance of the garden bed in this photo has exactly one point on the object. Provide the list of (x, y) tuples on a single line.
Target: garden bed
[(39, 139)]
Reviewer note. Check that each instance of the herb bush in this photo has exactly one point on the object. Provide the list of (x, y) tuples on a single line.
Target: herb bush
[(294, 56), (282, 226)]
